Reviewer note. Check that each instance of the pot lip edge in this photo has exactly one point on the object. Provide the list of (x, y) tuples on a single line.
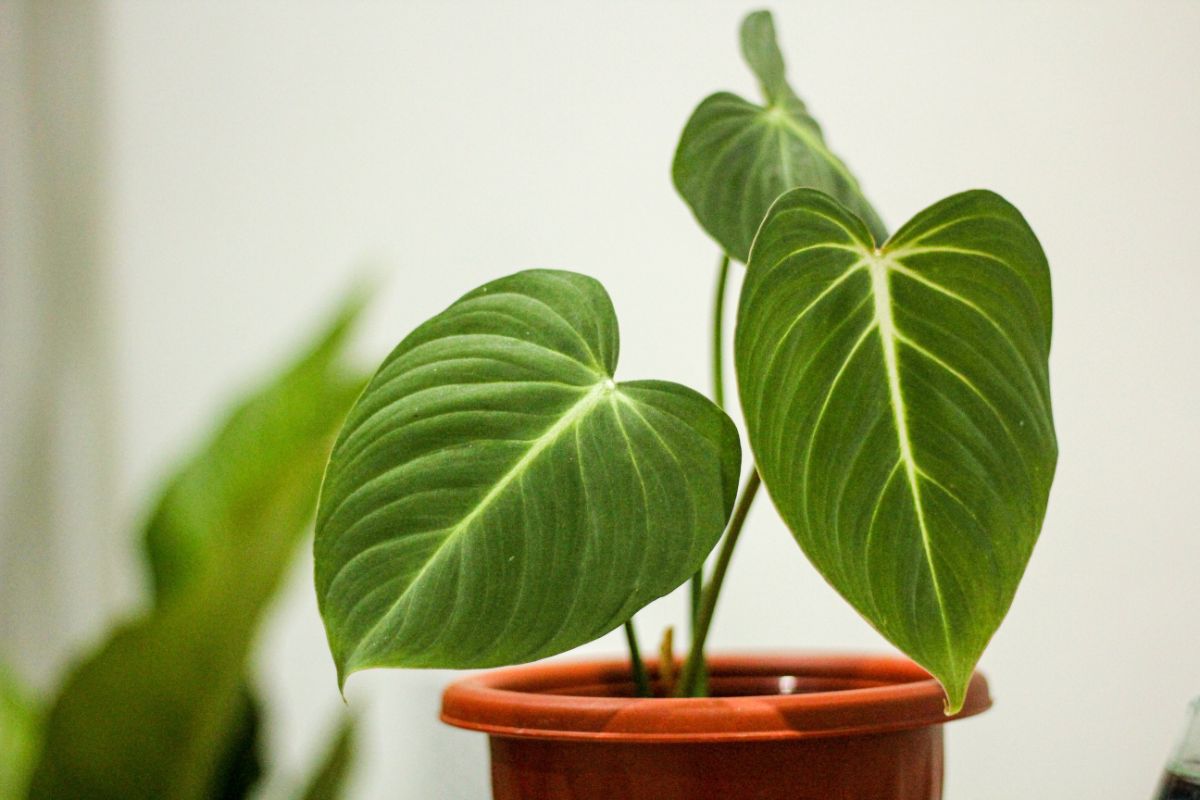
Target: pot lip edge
[(475, 703)]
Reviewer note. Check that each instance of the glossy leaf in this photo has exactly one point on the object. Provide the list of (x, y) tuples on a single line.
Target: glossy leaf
[(735, 157), (898, 406), (150, 714), (497, 497)]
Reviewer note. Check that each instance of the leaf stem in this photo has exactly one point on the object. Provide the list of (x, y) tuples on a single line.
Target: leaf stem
[(640, 679), (718, 397), (694, 665), (718, 334), (697, 586)]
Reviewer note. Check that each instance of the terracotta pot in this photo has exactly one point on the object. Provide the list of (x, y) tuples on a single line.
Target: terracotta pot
[(800, 727)]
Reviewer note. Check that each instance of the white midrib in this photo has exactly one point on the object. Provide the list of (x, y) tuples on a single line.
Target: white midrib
[(581, 409), (575, 413), (879, 267)]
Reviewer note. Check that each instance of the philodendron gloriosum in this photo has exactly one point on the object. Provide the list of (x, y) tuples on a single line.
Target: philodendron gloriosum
[(498, 496)]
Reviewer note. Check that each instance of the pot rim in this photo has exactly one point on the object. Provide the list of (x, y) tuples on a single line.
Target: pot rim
[(517, 702)]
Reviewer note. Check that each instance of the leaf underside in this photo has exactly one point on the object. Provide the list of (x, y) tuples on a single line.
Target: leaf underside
[(496, 497), (897, 404), (735, 157)]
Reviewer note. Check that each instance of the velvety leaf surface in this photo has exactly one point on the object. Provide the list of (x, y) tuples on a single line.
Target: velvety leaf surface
[(497, 497), (153, 713), (898, 406), (735, 157)]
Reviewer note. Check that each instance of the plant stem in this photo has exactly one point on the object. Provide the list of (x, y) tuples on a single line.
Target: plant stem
[(718, 397), (666, 661), (718, 334), (640, 679), (694, 665)]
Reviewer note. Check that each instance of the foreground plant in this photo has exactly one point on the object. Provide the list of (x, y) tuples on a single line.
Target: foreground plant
[(164, 708), (497, 496)]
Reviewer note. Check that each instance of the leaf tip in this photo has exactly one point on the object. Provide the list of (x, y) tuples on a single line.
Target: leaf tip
[(954, 693), (343, 674), (757, 26), (760, 49), (343, 661)]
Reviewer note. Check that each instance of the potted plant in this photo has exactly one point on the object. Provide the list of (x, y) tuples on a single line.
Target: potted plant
[(498, 496)]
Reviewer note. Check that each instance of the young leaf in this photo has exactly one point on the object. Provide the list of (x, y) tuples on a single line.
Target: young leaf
[(898, 406), (496, 497), (735, 157), (149, 715)]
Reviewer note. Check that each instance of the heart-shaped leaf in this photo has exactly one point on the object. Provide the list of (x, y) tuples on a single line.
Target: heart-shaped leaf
[(495, 497), (898, 406), (735, 157)]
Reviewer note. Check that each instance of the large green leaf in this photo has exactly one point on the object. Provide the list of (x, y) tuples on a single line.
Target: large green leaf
[(497, 497), (735, 157), (151, 713), (20, 736), (898, 406)]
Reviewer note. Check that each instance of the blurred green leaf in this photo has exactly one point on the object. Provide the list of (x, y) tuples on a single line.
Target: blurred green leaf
[(20, 731), (240, 766), (150, 713), (328, 781), (192, 511), (206, 500)]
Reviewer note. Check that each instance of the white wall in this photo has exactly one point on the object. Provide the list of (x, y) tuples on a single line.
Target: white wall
[(58, 520), (262, 154)]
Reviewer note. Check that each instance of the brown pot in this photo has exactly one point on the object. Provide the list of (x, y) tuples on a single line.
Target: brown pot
[(800, 727)]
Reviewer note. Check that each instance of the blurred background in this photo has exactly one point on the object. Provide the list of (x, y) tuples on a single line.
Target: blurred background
[(188, 192)]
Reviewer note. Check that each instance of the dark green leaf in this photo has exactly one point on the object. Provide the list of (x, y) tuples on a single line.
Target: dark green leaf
[(20, 736), (898, 406), (150, 714), (497, 497), (735, 157), (329, 780)]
